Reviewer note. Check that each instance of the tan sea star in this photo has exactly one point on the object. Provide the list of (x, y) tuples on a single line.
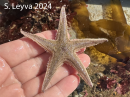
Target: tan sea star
[(64, 50)]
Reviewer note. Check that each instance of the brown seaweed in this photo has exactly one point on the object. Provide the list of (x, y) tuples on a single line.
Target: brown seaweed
[(117, 11), (116, 30)]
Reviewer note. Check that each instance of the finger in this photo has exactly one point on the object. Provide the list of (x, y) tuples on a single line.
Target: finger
[(9, 85), (63, 88), (4, 71), (13, 90), (31, 68), (81, 51), (33, 86), (23, 49), (36, 66)]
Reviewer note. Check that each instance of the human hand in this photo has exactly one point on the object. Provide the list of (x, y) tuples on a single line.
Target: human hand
[(23, 66)]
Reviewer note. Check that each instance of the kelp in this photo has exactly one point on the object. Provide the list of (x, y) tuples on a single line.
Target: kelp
[(115, 29)]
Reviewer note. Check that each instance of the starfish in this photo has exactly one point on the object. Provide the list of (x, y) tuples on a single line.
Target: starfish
[(64, 50)]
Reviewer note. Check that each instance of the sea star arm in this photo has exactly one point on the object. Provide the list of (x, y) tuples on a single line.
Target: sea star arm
[(48, 45), (81, 43), (52, 66), (77, 64), (62, 29)]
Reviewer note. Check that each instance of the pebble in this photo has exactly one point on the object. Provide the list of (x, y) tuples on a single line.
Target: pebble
[(99, 75), (100, 95)]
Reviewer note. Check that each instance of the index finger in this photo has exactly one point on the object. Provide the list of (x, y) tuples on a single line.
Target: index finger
[(20, 50)]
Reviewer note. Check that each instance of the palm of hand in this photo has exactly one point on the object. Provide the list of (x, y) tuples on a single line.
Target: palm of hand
[(23, 66)]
